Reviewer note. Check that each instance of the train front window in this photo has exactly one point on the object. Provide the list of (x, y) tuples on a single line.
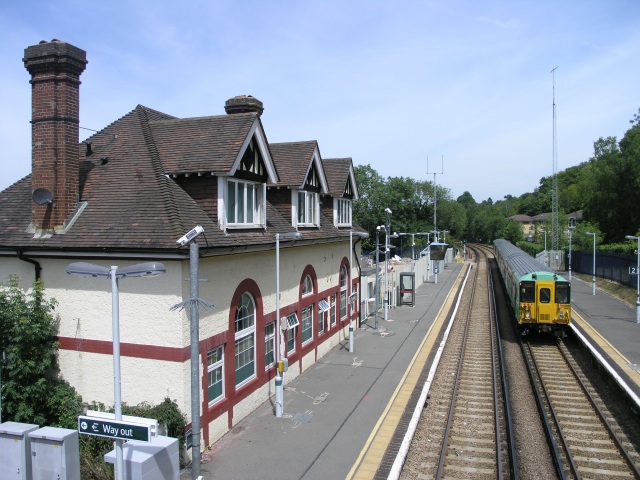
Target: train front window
[(528, 292), (563, 293), (545, 295)]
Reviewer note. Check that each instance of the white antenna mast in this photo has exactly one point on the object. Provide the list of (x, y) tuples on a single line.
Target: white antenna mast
[(554, 180)]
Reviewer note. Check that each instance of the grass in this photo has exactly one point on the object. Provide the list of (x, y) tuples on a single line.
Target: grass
[(624, 293)]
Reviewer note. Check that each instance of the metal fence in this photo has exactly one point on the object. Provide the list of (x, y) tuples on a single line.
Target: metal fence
[(612, 266)]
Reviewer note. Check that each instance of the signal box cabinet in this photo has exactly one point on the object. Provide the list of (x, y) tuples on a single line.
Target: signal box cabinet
[(55, 454), (15, 450), (158, 459)]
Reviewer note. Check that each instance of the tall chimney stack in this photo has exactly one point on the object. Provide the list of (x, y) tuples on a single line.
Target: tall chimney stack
[(55, 69)]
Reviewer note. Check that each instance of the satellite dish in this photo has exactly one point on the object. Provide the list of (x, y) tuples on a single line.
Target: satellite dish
[(42, 196)]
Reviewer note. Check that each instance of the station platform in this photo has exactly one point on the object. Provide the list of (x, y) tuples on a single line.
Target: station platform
[(341, 415)]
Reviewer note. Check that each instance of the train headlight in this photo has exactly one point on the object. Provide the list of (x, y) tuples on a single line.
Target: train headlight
[(561, 315), (527, 313)]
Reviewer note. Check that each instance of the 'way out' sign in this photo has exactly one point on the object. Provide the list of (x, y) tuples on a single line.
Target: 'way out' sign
[(124, 430)]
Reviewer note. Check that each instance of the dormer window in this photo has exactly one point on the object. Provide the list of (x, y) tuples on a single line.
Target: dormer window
[(245, 203), (343, 212), (308, 209)]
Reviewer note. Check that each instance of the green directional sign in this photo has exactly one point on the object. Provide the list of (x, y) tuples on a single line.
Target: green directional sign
[(114, 429)]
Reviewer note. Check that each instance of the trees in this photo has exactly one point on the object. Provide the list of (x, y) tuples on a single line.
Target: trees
[(613, 184), (32, 390)]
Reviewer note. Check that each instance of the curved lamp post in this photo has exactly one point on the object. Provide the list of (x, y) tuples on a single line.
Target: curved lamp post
[(83, 269)]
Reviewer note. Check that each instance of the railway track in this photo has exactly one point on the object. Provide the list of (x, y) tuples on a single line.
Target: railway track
[(585, 439), (465, 431)]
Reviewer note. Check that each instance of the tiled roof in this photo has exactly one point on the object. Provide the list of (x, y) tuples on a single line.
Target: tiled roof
[(205, 144), (293, 161), (520, 218), (337, 171), (132, 204)]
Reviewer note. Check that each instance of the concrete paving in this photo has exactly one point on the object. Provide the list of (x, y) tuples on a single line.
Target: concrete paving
[(332, 408)]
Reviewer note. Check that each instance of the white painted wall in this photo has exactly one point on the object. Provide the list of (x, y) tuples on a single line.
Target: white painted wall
[(84, 311)]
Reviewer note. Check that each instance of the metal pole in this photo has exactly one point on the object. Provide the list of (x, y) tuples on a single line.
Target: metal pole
[(377, 275), (569, 255), (279, 379), (386, 268), (413, 253), (117, 393), (638, 283), (350, 312), (594, 263), (194, 254)]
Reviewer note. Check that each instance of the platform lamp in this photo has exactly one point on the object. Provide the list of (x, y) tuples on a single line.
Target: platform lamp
[(83, 269), (385, 300), (633, 237), (278, 354), (594, 260)]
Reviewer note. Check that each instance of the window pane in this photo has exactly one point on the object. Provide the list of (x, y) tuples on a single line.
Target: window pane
[(291, 340), (545, 295), (245, 314), (244, 359), (215, 364), (269, 340), (231, 203), (307, 286), (251, 195), (333, 309), (301, 207), (240, 203), (310, 207), (307, 324)]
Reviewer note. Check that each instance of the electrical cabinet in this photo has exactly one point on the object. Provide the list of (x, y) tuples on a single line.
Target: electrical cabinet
[(55, 454), (158, 459), (15, 450)]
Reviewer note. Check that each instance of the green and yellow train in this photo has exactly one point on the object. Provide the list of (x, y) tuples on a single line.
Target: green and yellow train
[(540, 298)]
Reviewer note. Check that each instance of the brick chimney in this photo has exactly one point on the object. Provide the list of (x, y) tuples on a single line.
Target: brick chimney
[(55, 69)]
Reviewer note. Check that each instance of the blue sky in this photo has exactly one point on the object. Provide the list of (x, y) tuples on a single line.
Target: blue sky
[(465, 84)]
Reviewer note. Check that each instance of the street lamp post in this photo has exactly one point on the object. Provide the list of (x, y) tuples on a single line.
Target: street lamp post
[(546, 255), (378, 229), (83, 269), (386, 265), (278, 354), (594, 260), (632, 237), (569, 253)]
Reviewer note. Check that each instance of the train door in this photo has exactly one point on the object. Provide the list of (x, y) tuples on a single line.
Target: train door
[(546, 308)]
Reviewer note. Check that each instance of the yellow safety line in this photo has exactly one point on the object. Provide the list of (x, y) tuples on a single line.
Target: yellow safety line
[(368, 461), (612, 351)]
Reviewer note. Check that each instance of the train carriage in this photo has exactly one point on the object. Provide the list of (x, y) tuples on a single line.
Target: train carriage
[(540, 298)]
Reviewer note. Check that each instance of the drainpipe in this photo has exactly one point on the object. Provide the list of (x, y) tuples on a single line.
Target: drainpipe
[(359, 283), (38, 268)]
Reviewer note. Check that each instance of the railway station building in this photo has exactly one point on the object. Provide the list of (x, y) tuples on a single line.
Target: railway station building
[(126, 194)]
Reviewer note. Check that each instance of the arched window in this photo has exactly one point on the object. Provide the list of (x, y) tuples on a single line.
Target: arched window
[(245, 336), (307, 286), (307, 311), (343, 291)]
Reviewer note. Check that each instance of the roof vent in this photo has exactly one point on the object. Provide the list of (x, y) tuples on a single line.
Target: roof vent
[(243, 104)]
